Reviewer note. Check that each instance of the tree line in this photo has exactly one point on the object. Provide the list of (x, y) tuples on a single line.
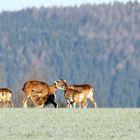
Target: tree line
[(95, 44)]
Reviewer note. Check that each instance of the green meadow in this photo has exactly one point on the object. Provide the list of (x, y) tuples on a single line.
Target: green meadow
[(69, 124)]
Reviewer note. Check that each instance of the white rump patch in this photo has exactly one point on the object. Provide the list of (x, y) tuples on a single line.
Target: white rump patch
[(81, 97), (90, 94), (3, 97)]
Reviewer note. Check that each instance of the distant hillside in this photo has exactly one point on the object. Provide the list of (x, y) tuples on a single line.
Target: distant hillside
[(95, 44)]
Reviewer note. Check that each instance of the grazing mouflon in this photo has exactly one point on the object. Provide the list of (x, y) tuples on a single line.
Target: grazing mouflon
[(5, 97), (40, 93)]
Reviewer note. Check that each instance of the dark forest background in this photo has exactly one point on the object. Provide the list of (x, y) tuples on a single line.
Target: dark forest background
[(95, 44)]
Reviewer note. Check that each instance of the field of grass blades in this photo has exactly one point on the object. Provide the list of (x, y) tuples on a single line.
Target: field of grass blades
[(69, 124)]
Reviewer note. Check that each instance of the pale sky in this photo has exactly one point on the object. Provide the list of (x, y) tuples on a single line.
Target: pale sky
[(20, 4)]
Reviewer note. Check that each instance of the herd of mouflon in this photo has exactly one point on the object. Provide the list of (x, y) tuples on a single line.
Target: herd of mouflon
[(42, 94)]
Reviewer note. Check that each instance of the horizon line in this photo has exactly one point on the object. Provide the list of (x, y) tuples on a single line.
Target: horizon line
[(63, 6)]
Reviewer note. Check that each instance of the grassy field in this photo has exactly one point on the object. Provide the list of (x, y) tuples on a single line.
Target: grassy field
[(69, 124)]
